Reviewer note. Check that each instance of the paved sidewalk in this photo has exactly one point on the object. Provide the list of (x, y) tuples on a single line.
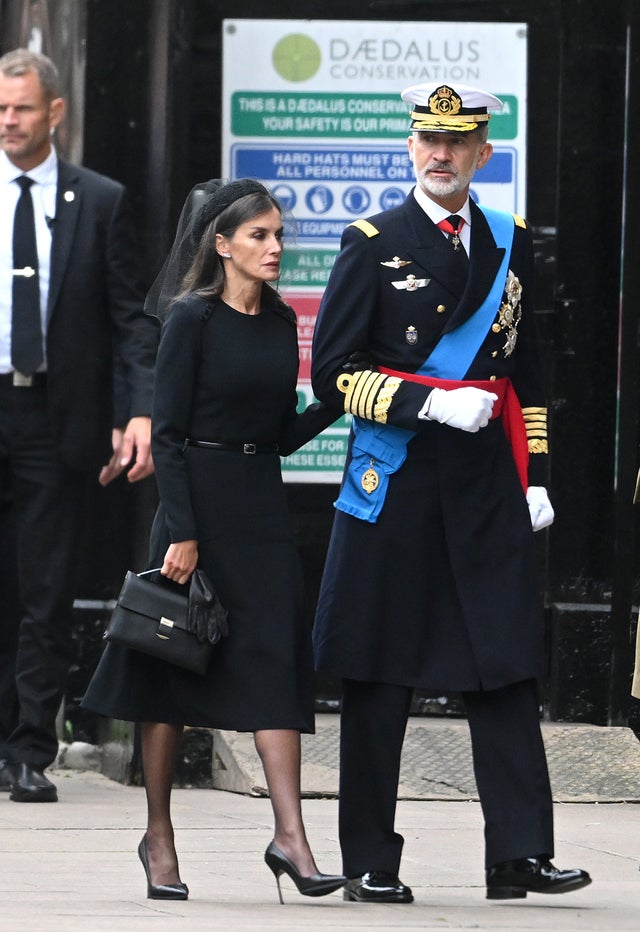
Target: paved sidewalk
[(72, 866)]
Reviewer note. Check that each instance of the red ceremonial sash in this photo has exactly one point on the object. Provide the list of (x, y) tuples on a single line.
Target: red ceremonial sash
[(507, 406)]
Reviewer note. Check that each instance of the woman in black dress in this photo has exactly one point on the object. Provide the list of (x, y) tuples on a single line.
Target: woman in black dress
[(224, 411)]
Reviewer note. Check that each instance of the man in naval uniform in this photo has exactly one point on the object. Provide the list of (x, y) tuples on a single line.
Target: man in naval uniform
[(430, 579)]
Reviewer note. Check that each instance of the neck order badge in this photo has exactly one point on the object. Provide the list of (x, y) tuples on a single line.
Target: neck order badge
[(452, 225)]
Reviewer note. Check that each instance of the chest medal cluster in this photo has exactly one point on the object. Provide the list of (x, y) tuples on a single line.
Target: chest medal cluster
[(510, 313)]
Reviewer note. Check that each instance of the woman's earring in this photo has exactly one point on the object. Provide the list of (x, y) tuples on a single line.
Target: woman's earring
[(225, 255)]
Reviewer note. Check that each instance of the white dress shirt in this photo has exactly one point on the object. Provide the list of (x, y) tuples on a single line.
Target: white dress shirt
[(43, 193), (437, 213)]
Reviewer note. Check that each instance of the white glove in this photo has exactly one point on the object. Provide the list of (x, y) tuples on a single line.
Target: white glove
[(466, 408), (540, 509)]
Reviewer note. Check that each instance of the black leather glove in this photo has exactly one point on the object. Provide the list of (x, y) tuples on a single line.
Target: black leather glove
[(207, 618), (358, 361)]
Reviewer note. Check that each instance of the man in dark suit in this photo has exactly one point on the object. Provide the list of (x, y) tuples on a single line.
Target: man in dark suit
[(66, 310), (430, 576)]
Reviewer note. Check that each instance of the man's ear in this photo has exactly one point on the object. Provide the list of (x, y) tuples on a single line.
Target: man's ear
[(56, 112), (485, 153)]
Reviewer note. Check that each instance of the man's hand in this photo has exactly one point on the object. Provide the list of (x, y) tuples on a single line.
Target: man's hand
[(134, 443), (540, 509), (467, 408), (113, 468), (180, 561)]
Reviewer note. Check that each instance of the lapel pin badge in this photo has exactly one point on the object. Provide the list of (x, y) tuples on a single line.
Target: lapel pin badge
[(411, 283), (396, 263)]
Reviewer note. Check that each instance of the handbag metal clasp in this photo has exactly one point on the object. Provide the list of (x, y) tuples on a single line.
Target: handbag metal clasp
[(167, 625)]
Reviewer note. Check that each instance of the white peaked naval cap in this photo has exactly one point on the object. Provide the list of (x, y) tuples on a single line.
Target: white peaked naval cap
[(448, 108)]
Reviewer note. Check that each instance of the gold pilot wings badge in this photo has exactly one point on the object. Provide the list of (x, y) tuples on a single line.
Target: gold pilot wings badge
[(396, 263)]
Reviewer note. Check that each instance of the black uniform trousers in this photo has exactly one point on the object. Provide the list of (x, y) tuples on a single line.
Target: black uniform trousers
[(509, 764), (41, 512)]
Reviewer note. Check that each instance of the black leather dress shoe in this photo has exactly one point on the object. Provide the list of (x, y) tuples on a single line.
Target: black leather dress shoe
[(31, 786), (514, 879), (6, 776), (377, 887)]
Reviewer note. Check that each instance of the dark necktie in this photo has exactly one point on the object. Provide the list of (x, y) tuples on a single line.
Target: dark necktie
[(26, 327)]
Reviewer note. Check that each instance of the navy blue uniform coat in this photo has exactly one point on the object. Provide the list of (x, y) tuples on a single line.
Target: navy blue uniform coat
[(441, 592)]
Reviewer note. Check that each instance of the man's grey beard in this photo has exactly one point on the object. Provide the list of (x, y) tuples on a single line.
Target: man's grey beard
[(441, 187)]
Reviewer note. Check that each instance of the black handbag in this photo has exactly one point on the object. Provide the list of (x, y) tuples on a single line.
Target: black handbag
[(156, 618)]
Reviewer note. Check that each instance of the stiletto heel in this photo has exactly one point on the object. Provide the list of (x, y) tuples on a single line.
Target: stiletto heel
[(315, 885), (161, 891)]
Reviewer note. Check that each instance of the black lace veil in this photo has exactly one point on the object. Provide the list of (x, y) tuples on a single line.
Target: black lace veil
[(204, 202)]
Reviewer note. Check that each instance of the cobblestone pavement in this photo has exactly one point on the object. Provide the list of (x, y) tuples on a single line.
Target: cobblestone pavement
[(587, 763)]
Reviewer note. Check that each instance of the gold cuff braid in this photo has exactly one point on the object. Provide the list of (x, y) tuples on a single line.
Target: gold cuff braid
[(538, 446), (368, 394), (535, 420)]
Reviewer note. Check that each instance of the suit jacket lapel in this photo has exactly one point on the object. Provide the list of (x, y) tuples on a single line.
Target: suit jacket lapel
[(68, 201)]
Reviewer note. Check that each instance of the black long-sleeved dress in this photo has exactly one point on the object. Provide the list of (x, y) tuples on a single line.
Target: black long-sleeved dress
[(226, 376)]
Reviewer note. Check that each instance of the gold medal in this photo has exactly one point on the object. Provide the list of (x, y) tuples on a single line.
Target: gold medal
[(370, 479)]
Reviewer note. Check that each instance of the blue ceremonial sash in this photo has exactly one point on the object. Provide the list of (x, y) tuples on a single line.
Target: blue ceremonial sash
[(385, 445)]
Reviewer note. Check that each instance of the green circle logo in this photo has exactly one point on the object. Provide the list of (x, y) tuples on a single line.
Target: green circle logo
[(296, 57)]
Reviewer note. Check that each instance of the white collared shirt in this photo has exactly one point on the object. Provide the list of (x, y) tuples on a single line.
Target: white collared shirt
[(437, 213), (43, 193)]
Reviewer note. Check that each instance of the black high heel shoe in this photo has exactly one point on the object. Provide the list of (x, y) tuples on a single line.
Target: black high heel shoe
[(161, 891), (315, 885)]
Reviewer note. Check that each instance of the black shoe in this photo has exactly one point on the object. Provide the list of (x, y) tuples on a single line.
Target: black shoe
[(6, 776), (31, 786), (377, 887), (514, 879), (315, 885), (160, 891)]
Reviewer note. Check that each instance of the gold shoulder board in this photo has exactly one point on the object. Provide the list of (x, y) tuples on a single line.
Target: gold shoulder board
[(367, 228), (520, 221)]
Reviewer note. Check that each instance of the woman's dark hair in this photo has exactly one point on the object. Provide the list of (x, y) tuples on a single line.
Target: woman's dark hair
[(206, 272)]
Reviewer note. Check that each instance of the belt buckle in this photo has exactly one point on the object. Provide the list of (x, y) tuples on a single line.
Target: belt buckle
[(22, 381), (249, 448)]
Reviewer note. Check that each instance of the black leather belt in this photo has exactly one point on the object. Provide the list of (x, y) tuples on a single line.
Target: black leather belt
[(248, 448), (18, 380)]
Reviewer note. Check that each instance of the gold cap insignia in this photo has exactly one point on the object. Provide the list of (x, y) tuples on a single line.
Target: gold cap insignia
[(445, 101)]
